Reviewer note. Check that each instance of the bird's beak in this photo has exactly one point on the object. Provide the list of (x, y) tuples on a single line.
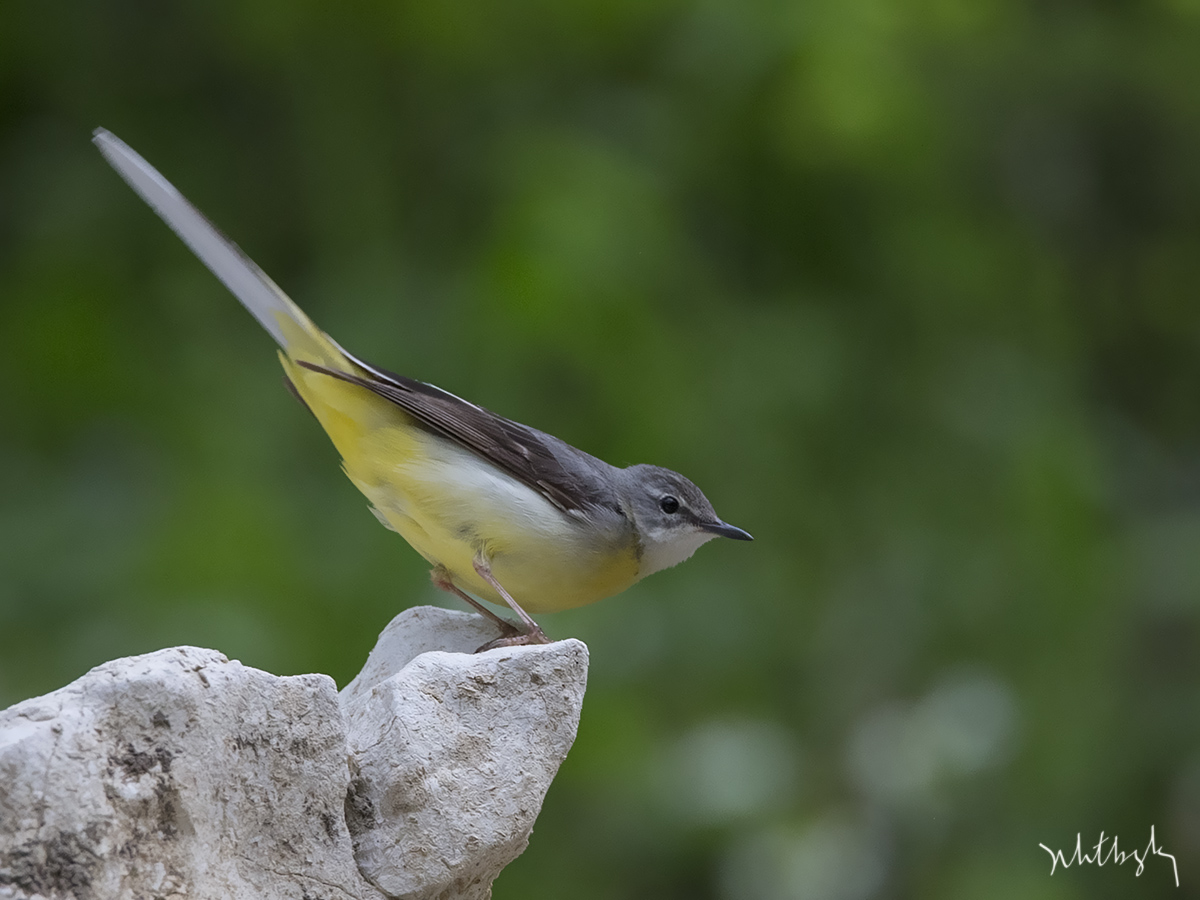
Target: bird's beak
[(726, 530)]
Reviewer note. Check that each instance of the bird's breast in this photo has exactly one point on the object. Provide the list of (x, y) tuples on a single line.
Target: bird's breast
[(452, 506)]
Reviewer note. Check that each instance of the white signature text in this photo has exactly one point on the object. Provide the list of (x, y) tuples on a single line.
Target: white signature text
[(1114, 855)]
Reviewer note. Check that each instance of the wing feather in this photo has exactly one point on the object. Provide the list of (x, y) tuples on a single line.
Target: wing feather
[(533, 457)]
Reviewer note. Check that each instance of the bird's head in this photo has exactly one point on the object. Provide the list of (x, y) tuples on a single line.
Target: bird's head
[(672, 516)]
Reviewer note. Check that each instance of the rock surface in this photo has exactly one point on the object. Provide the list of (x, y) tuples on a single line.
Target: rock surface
[(178, 773), (454, 753), (184, 774)]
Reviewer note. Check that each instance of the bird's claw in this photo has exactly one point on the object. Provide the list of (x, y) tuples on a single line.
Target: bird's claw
[(516, 639)]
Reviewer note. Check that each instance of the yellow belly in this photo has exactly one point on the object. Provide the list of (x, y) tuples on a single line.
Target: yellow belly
[(452, 507), (540, 575)]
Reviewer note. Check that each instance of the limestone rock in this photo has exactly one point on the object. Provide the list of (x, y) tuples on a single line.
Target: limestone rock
[(179, 773), (415, 631), (453, 753), (184, 774)]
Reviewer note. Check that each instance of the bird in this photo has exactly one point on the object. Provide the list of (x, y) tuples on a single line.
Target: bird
[(502, 512)]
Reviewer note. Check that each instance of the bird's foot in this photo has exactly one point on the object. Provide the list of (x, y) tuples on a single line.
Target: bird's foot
[(516, 639), (532, 634)]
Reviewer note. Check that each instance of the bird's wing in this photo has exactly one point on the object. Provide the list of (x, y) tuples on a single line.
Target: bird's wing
[(565, 476)]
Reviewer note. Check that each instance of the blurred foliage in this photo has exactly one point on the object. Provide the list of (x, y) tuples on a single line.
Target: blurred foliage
[(910, 288)]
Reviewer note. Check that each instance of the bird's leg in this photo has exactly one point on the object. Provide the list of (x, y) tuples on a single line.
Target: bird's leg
[(533, 633), (441, 579)]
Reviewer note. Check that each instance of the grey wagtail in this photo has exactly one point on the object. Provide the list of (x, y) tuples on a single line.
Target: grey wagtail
[(499, 509)]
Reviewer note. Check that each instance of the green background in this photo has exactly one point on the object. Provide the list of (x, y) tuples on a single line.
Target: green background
[(911, 289)]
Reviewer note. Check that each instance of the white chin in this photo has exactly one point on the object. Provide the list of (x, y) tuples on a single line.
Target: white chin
[(659, 555)]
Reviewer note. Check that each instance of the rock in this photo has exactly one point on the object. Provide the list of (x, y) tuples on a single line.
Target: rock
[(454, 753), (184, 774), (179, 773), (413, 632)]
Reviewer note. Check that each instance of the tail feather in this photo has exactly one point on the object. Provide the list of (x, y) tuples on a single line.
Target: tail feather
[(351, 416), (283, 319)]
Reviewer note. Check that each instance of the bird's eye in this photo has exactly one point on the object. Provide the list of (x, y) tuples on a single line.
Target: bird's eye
[(668, 504)]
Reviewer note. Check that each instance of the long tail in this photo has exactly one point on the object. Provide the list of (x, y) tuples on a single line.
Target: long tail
[(348, 413), (284, 320)]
